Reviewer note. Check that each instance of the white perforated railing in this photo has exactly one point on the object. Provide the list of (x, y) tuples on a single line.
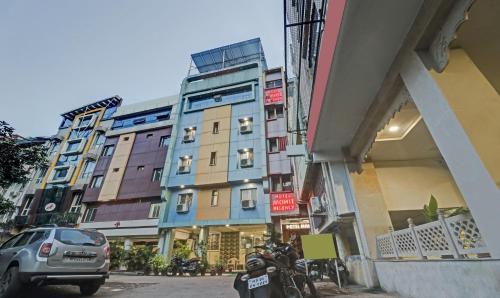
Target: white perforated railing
[(456, 236)]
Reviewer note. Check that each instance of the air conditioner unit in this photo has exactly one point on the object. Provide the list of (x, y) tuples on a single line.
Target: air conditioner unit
[(182, 208), (218, 98), (245, 129), (188, 138), (184, 169), (316, 205), (248, 204), (246, 163)]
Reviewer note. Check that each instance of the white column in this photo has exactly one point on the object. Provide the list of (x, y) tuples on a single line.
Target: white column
[(473, 179), (127, 245)]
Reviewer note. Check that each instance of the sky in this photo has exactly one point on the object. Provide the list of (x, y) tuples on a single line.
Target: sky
[(57, 55)]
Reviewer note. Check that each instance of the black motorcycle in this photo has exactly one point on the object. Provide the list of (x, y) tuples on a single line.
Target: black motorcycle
[(272, 273), (318, 268), (180, 266)]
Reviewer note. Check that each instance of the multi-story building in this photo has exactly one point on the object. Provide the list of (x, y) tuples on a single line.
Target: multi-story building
[(54, 194), (285, 212), (123, 199), (217, 177), (404, 106)]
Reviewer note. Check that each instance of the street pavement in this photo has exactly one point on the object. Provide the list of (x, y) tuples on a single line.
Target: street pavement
[(124, 286)]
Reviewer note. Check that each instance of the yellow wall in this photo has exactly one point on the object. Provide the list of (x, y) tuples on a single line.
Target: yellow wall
[(408, 185), (113, 179), (372, 208), (476, 105), (221, 211), (209, 142)]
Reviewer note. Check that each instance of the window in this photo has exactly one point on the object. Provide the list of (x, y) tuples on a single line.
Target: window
[(184, 202), (99, 139), (10, 243), (248, 198), (73, 146), (272, 145), (88, 168), (157, 174), (214, 200), (154, 210), (40, 236), (246, 158), (115, 170), (140, 168), (60, 173), (213, 158), (126, 139), (108, 150), (189, 134), (215, 128), (184, 166), (274, 112), (213, 241), (139, 121), (281, 183), (24, 239), (274, 84), (41, 175), (246, 125), (90, 215), (149, 135), (76, 204), (27, 206), (96, 181), (84, 121), (164, 141)]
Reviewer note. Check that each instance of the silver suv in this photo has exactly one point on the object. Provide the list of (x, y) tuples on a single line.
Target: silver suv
[(54, 255)]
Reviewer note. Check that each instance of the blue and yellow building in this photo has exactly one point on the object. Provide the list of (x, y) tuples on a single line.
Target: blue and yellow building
[(217, 190)]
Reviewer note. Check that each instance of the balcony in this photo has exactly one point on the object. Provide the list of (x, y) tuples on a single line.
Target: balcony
[(21, 220), (56, 218)]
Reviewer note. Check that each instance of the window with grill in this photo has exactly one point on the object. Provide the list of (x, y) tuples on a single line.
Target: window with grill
[(90, 215), (154, 210), (76, 204), (108, 150), (157, 174), (27, 206), (213, 241), (96, 181)]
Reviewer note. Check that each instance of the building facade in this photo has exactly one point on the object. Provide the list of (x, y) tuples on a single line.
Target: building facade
[(54, 195), (395, 119), (217, 176), (123, 199)]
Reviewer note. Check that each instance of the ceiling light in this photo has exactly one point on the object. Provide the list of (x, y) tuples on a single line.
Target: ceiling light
[(245, 119), (186, 156), (227, 225), (182, 186), (245, 150), (393, 128), (194, 227), (246, 180)]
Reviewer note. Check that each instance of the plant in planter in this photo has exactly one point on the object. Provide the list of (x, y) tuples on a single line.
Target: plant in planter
[(219, 267), (157, 264), (202, 254), (213, 271), (116, 251)]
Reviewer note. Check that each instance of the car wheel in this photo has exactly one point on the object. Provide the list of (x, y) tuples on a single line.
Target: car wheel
[(89, 288), (10, 285)]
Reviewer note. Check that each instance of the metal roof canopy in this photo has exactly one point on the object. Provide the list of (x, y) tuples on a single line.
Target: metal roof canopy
[(229, 55), (105, 103)]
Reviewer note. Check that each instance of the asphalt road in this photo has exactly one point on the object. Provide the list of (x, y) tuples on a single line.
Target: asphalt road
[(122, 286)]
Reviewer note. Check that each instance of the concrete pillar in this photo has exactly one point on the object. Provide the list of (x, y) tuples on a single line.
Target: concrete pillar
[(168, 243), (340, 246), (127, 245), (203, 237), (470, 174)]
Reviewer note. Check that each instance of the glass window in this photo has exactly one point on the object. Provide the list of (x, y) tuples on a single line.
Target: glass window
[(154, 210), (157, 174), (164, 141), (272, 145), (149, 135), (99, 139), (108, 150), (88, 168), (10, 243), (140, 168), (27, 206), (248, 198), (41, 174), (274, 112), (96, 181), (109, 113), (184, 202), (215, 128), (90, 215), (84, 121), (213, 158), (184, 165), (142, 118), (214, 200), (274, 84), (281, 183), (65, 123), (40, 235), (76, 204), (23, 240), (80, 237), (73, 146), (61, 173)]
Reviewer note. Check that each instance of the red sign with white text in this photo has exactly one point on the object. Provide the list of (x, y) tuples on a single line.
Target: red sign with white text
[(283, 202), (273, 95)]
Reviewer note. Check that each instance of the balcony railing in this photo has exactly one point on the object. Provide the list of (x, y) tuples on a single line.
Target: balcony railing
[(456, 236)]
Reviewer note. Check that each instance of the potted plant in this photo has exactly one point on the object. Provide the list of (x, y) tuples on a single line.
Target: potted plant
[(219, 267), (203, 267), (212, 271), (157, 264)]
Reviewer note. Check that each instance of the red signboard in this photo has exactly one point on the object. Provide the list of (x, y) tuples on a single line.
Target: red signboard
[(283, 202), (273, 95)]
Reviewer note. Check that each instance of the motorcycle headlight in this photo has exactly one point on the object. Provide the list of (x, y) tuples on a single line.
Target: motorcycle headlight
[(245, 277)]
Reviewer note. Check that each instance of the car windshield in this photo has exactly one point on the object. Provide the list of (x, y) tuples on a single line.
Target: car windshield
[(80, 237)]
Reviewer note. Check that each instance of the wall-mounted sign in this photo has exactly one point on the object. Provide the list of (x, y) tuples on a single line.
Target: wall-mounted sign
[(50, 207), (298, 226), (283, 202), (273, 95)]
